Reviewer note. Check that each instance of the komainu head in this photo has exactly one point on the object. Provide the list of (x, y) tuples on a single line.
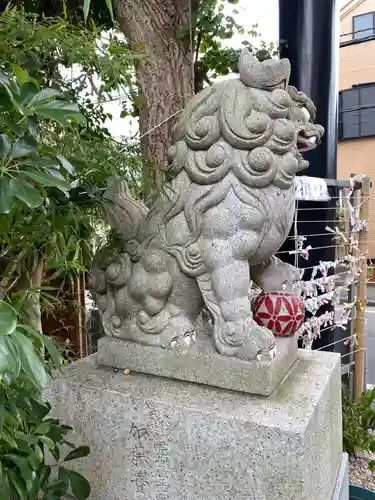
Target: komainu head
[(254, 128)]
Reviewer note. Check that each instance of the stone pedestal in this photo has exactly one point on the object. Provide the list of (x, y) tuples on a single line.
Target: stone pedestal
[(153, 438), (341, 491), (202, 364)]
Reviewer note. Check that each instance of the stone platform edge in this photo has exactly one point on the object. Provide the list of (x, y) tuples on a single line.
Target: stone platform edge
[(202, 364)]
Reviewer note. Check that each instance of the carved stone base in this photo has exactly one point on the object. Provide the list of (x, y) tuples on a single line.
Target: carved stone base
[(203, 364), (157, 439)]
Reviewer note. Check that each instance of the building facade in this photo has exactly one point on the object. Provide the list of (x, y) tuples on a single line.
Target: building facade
[(356, 147)]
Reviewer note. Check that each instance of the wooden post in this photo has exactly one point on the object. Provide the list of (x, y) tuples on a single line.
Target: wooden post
[(360, 355), (346, 224)]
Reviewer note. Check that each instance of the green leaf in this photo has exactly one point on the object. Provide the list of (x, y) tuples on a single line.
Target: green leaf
[(55, 452), (25, 192), (58, 106), (86, 8), (4, 79), (40, 410), (30, 361), (12, 125), (110, 8), (8, 346), (8, 438), (39, 453), (18, 484), (43, 95), (48, 442), (81, 451), (59, 487), (28, 438), (23, 146), (33, 461), (22, 76), (12, 90), (5, 145), (40, 162), (56, 173), (79, 485), (66, 164), (33, 128), (24, 467), (6, 196), (52, 350), (4, 484), (46, 472), (43, 428), (60, 111), (2, 408), (8, 319), (51, 496), (28, 91), (47, 179)]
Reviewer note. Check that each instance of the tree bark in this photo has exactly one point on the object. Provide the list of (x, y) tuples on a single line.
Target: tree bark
[(165, 75)]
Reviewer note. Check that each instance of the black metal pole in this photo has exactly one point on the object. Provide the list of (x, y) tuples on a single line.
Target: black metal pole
[(309, 38)]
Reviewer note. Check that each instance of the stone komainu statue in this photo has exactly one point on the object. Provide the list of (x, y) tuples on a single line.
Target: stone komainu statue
[(217, 224)]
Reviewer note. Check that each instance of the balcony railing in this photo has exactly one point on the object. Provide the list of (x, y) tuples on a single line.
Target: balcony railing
[(357, 36)]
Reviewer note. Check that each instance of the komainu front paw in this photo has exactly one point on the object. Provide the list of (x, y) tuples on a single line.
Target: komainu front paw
[(260, 344), (244, 339), (176, 332)]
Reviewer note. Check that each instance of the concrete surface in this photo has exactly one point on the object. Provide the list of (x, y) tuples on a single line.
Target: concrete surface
[(157, 439), (342, 484)]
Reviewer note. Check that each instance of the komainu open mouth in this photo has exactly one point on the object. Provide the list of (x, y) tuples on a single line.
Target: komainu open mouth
[(307, 142)]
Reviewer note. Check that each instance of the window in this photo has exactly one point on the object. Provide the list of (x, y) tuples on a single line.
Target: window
[(363, 26), (357, 112)]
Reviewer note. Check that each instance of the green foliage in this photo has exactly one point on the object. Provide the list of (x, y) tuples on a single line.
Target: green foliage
[(55, 153), (27, 165), (211, 28), (68, 352), (63, 55), (71, 9), (35, 180), (359, 424), (26, 432), (55, 156), (43, 46)]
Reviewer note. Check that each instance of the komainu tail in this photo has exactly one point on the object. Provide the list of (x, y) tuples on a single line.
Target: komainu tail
[(124, 213)]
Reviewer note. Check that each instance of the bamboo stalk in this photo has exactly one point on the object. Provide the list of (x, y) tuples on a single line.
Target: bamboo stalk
[(360, 355)]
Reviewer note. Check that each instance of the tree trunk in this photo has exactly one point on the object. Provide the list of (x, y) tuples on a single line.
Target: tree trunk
[(165, 74)]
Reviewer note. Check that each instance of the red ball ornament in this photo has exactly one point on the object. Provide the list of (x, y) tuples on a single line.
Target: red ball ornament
[(281, 312)]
